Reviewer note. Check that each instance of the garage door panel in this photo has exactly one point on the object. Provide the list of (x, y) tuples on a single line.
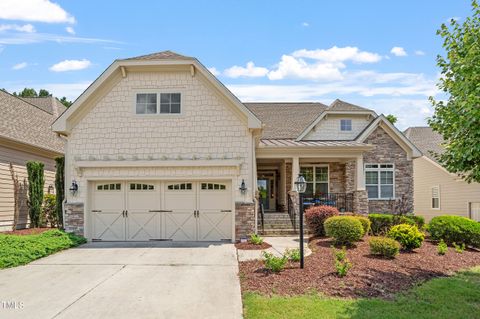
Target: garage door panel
[(143, 226), (214, 226), (143, 196), (180, 226), (108, 225), (109, 196), (214, 196)]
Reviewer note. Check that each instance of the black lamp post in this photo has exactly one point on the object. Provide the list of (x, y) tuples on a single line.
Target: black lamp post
[(301, 187)]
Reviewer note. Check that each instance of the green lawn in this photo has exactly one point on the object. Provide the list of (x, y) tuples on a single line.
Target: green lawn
[(18, 250), (449, 298)]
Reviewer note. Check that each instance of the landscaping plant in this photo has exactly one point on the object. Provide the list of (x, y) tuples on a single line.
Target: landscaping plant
[(455, 229), (380, 223), (292, 254), (384, 247), (460, 248), (273, 263), (49, 214), (442, 247), (35, 191), (315, 217), (345, 230), (407, 235), (342, 264), (59, 188), (366, 223), (256, 239)]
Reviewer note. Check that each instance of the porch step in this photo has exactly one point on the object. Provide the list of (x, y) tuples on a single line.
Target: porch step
[(277, 232)]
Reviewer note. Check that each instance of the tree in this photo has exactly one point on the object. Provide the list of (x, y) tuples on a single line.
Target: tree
[(458, 118), (66, 102), (36, 182), (391, 118), (44, 93), (27, 92), (59, 188)]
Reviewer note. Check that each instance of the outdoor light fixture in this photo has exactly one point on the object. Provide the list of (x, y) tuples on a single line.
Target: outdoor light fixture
[(73, 188), (301, 187), (243, 188)]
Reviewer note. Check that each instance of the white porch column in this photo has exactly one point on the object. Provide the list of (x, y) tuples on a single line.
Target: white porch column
[(360, 175), (283, 184), (295, 170)]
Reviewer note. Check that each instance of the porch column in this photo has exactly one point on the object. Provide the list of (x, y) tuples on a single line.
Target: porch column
[(283, 184), (360, 176), (295, 171)]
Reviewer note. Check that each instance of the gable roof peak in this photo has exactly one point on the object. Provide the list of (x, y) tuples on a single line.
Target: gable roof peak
[(339, 105), (162, 55)]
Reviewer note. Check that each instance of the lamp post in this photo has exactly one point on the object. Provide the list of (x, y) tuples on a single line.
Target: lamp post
[(300, 187)]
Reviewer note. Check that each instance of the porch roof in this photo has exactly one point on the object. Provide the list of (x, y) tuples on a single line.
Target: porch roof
[(287, 143)]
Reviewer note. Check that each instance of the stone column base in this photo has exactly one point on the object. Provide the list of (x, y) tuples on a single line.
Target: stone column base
[(74, 218), (244, 219), (360, 202)]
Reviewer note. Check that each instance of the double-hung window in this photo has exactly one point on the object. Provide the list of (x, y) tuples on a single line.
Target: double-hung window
[(158, 103), (380, 181), (316, 178), (346, 125)]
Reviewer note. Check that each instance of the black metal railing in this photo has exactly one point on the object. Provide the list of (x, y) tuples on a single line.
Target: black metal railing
[(342, 201), (262, 216), (292, 212)]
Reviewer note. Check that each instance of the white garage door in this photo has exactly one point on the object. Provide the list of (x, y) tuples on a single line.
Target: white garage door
[(146, 210)]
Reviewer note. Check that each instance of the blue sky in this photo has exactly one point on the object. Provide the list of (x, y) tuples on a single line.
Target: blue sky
[(378, 54)]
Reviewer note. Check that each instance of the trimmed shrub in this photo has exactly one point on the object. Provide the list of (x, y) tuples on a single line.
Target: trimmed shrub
[(315, 217), (344, 229), (381, 223), (384, 246), (407, 235), (419, 220), (365, 223), (35, 191), (455, 229)]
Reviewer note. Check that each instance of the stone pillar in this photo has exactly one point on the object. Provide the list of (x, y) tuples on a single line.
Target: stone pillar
[(74, 218), (360, 202), (244, 219), (350, 169)]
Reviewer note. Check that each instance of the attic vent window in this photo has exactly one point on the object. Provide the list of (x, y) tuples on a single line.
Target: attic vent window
[(158, 103), (346, 125)]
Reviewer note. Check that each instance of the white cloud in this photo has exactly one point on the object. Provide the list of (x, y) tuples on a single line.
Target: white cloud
[(336, 54), (305, 24), (29, 38), (291, 67), (70, 30), (419, 52), (20, 66), (398, 51), (214, 71), (70, 65), (15, 27), (34, 10), (250, 71)]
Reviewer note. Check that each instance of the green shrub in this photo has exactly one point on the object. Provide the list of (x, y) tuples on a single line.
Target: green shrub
[(49, 214), (36, 182), (366, 223), (344, 229), (59, 188), (315, 217), (274, 263), (459, 248), (407, 235), (292, 254), (442, 247), (384, 246), (256, 239), (455, 229), (341, 262), (419, 220), (380, 223)]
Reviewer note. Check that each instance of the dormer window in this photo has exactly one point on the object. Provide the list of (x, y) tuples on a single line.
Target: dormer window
[(345, 125), (158, 103)]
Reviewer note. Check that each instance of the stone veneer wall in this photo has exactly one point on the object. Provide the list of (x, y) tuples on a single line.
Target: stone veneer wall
[(388, 151), (244, 219), (337, 177), (74, 218)]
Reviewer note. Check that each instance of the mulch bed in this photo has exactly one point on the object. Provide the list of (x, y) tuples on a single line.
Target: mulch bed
[(27, 231), (369, 277), (250, 246)]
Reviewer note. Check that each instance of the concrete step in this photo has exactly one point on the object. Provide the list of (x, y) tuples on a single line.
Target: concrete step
[(277, 232)]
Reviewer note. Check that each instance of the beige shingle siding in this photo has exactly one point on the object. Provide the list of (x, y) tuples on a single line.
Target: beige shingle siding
[(28, 124), (329, 128)]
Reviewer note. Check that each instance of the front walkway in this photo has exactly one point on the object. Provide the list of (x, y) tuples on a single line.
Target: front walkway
[(279, 245), (126, 280)]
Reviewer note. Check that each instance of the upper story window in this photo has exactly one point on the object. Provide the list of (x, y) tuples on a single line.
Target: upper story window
[(345, 125), (158, 103), (380, 181)]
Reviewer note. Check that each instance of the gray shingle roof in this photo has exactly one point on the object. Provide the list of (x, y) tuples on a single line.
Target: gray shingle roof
[(426, 140), (164, 55), (285, 120), (293, 143), (339, 105), (27, 123), (50, 104)]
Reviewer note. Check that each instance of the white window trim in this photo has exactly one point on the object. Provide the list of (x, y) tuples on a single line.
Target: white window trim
[(431, 197), (351, 125), (315, 177), (378, 169), (158, 92)]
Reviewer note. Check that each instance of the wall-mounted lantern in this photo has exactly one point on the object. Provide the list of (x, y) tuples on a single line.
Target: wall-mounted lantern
[(243, 187), (73, 188)]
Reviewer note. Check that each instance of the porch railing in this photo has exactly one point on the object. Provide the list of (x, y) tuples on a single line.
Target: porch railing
[(342, 201), (262, 216)]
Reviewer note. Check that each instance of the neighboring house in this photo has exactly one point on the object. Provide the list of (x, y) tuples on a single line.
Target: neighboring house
[(161, 150), (25, 135), (436, 191)]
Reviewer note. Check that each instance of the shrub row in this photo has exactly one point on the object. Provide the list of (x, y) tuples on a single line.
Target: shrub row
[(455, 229), (381, 223)]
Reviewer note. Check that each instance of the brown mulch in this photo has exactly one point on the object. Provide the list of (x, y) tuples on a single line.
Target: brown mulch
[(250, 246), (369, 277), (26, 231)]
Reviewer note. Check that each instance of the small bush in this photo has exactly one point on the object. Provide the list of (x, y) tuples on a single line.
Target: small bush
[(455, 229), (442, 247), (366, 223), (384, 246), (459, 248), (407, 235), (344, 229), (380, 223), (292, 254), (274, 263), (341, 262), (256, 239), (315, 217)]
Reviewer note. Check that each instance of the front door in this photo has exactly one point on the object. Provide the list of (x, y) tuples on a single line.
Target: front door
[(267, 190)]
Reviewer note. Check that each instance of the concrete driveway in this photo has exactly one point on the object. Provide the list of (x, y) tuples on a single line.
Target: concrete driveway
[(126, 280)]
